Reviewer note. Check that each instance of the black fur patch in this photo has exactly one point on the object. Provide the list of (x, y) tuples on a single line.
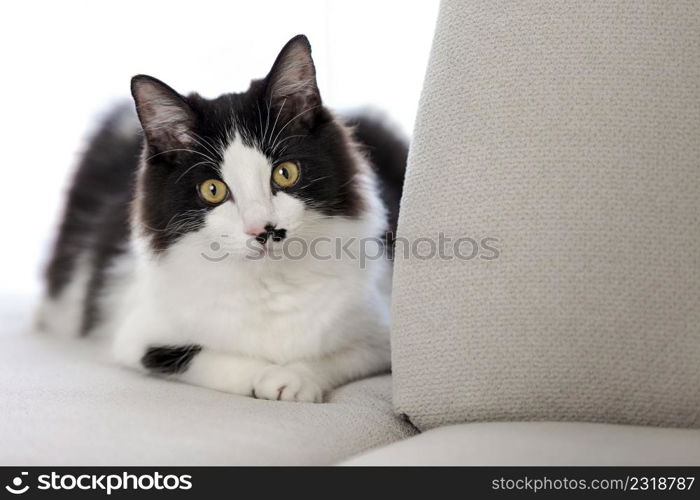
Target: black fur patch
[(169, 360)]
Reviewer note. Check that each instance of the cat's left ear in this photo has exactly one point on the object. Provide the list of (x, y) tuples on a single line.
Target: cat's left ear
[(165, 115), (291, 83)]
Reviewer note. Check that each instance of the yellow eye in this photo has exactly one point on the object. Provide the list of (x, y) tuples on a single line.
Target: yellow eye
[(285, 174), (213, 191)]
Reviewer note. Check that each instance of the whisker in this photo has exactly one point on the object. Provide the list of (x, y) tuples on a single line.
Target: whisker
[(209, 146), (276, 148), (278, 117), (314, 181), (176, 221), (209, 163), (181, 149), (267, 121), (260, 131), (292, 119)]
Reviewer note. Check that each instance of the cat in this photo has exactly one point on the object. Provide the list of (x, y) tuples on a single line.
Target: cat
[(173, 235)]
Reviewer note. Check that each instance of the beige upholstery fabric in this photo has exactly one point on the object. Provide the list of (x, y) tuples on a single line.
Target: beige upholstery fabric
[(569, 131), (540, 443), (65, 403)]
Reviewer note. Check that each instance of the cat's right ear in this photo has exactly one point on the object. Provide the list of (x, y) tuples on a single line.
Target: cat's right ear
[(165, 115)]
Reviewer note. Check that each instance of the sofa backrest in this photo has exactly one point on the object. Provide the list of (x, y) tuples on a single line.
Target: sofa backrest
[(561, 142)]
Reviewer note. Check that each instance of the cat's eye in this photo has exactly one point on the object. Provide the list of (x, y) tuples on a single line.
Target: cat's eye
[(213, 191), (285, 174)]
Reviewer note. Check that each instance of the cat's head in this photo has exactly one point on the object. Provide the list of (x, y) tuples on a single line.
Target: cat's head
[(251, 169)]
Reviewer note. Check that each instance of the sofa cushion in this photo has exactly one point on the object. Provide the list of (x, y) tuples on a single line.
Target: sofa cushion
[(64, 403), (569, 132), (541, 444)]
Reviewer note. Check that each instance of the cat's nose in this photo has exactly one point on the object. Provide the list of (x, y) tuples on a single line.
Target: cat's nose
[(261, 235), (255, 231)]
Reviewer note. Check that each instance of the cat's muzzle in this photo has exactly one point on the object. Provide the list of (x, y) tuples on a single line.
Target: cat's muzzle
[(271, 232)]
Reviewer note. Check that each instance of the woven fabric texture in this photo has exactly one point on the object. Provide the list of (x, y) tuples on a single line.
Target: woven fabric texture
[(569, 132)]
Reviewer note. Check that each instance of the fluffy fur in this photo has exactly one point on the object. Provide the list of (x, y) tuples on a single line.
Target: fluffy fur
[(198, 291)]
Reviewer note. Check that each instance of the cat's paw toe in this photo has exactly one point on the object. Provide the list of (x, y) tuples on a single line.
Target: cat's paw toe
[(284, 384)]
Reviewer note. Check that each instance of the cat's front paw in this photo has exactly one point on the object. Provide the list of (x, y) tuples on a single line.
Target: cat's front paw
[(285, 384)]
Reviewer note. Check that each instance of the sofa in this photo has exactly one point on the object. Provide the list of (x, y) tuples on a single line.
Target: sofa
[(564, 135)]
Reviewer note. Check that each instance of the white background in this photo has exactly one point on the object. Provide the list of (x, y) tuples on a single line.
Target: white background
[(64, 63)]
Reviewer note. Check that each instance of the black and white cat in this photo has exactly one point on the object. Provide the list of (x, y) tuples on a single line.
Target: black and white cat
[(171, 242)]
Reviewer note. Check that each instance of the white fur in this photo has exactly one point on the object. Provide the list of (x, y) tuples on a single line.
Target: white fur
[(63, 315), (281, 329)]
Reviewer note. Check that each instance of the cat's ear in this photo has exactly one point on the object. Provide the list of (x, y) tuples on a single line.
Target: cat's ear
[(165, 115), (291, 83)]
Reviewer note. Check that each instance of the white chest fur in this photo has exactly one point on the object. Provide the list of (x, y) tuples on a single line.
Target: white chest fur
[(279, 311)]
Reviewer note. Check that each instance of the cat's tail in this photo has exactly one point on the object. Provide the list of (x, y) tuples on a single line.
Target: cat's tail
[(387, 150), (96, 202)]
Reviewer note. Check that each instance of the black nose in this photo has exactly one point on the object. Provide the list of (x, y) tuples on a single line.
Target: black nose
[(271, 231)]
